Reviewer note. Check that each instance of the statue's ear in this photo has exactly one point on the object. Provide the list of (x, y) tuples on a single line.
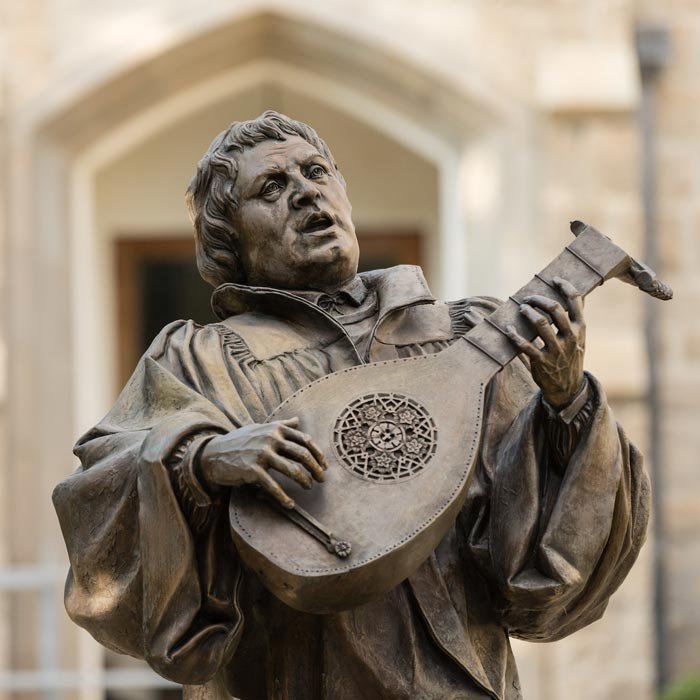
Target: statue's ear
[(229, 262)]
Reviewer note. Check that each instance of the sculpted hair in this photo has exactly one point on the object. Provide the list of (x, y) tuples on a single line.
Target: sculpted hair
[(210, 194)]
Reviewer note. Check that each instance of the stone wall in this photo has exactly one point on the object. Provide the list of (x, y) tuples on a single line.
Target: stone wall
[(4, 466), (678, 120)]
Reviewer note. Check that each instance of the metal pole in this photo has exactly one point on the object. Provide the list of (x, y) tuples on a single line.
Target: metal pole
[(653, 48)]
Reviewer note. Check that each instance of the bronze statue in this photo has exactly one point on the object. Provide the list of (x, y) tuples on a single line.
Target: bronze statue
[(344, 489)]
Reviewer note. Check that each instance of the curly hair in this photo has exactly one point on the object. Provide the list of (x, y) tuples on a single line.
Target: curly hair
[(210, 195)]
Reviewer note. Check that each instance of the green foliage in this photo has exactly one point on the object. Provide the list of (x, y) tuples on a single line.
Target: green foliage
[(688, 689)]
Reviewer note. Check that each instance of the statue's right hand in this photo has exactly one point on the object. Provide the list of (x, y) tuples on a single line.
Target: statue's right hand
[(245, 456)]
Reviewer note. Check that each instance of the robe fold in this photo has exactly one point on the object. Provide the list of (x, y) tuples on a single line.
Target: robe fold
[(536, 552)]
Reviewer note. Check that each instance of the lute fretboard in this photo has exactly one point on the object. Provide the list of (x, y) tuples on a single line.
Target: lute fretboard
[(586, 262)]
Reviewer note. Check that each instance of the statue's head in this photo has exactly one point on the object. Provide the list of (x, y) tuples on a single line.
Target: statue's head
[(270, 208)]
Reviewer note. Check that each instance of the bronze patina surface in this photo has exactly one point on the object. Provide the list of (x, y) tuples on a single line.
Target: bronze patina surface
[(344, 489)]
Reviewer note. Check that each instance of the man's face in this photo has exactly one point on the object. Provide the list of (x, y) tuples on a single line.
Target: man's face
[(293, 218)]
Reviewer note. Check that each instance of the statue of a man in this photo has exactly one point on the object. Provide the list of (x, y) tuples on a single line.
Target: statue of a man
[(554, 519)]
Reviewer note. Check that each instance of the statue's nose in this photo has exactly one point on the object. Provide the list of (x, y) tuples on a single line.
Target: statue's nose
[(304, 193)]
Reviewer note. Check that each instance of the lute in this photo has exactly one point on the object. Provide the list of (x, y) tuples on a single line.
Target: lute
[(397, 432)]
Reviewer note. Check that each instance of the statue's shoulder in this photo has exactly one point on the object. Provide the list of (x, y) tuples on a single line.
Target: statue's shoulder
[(171, 336), (261, 335), (483, 305), (422, 323), (464, 313), (434, 322)]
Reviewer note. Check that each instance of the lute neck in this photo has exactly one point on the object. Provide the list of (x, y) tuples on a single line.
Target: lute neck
[(586, 263)]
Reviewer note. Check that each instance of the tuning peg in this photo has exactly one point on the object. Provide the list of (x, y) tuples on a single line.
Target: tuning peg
[(637, 274), (645, 278)]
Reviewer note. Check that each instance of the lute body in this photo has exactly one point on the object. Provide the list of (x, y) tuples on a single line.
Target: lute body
[(392, 524), (401, 438)]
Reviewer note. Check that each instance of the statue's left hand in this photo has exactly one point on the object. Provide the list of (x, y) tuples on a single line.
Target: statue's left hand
[(557, 367)]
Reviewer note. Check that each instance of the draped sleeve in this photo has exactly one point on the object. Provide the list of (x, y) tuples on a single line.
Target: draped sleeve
[(143, 581), (554, 541)]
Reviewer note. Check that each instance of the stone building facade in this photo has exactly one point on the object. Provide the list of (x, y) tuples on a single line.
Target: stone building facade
[(492, 124)]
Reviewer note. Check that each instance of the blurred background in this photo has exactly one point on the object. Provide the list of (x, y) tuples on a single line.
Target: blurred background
[(469, 131)]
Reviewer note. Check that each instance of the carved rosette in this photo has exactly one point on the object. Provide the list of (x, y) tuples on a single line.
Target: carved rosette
[(385, 437)]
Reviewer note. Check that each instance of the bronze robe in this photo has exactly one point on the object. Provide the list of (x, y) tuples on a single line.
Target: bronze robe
[(554, 519)]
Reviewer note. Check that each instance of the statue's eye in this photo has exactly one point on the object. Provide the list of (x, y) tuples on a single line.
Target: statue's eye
[(271, 187), (316, 171)]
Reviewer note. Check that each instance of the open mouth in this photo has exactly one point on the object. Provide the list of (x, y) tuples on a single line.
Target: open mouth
[(317, 222)]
